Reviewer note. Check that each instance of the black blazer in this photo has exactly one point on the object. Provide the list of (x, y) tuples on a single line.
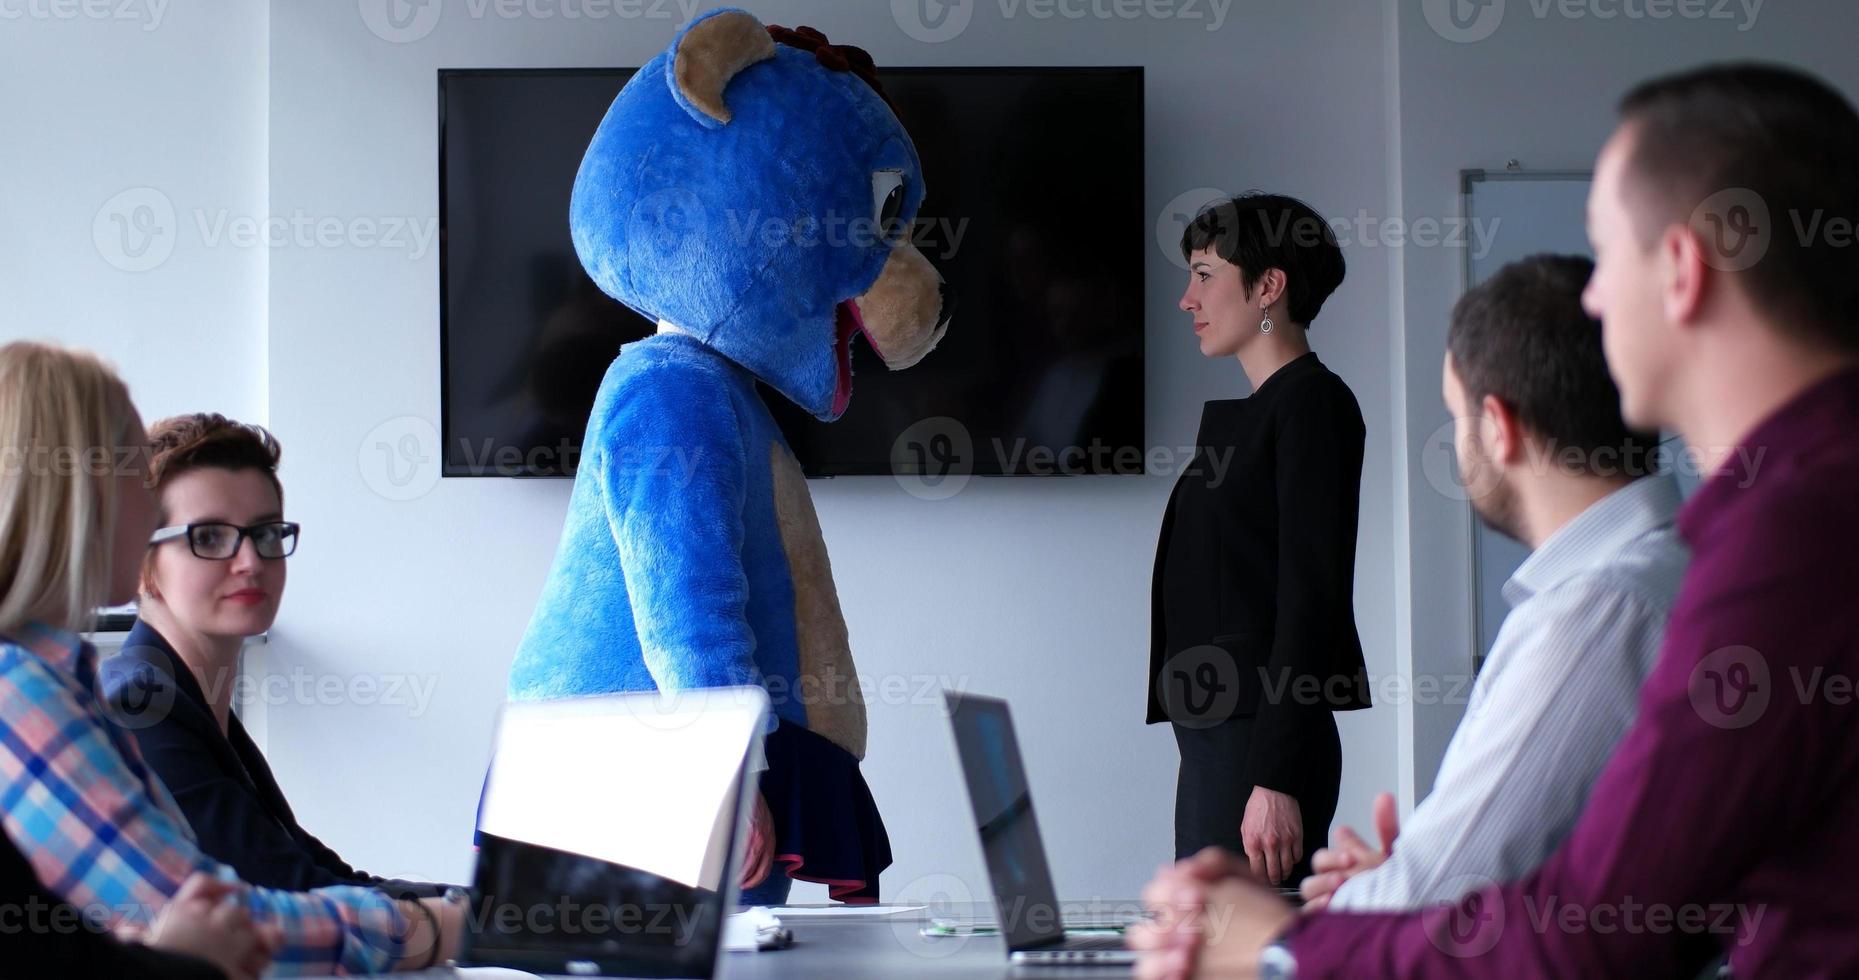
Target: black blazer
[(222, 782), (1252, 600), (59, 944)]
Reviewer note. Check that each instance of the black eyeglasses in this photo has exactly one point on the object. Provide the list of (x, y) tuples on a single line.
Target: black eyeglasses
[(273, 539)]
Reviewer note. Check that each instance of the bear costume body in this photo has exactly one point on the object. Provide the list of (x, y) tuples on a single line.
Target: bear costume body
[(691, 554)]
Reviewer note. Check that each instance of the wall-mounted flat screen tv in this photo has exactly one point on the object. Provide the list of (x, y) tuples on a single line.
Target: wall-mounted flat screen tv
[(1034, 215)]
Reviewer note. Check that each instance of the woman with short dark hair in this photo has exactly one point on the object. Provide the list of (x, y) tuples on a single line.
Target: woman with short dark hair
[(211, 579), (1253, 638)]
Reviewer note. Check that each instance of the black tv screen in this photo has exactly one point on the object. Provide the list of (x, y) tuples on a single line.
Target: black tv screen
[(1033, 215)]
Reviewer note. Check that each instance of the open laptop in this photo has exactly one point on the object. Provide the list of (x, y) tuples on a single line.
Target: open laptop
[(608, 833), (1026, 902)]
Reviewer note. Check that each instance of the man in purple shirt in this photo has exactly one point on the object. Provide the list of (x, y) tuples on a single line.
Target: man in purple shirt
[(1727, 282)]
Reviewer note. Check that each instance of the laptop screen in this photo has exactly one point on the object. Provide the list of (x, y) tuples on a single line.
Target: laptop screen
[(607, 832), (1026, 901)]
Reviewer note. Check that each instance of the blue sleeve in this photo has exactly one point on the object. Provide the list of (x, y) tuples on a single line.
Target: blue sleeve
[(672, 478)]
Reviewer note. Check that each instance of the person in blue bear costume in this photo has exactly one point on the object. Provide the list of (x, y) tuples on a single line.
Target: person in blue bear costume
[(691, 555)]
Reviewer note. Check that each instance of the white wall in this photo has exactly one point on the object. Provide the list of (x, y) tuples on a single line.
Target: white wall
[(168, 103), (1032, 589)]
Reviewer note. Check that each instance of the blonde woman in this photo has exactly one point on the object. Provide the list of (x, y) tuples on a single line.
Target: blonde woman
[(99, 829)]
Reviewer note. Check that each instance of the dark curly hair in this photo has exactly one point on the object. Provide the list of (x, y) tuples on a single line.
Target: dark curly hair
[(207, 440)]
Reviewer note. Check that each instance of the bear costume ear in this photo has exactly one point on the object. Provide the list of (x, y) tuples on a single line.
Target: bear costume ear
[(707, 54)]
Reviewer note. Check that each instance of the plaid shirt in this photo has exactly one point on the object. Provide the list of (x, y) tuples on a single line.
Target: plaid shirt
[(102, 831)]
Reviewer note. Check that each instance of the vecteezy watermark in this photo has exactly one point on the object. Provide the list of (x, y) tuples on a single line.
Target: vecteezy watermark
[(1471, 925), (137, 230), (1739, 229), (1172, 223), (948, 904), (1725, 920), (1204, 685), (36, 917), (406, 21), (141, 695), (940, 237), (301, 229), (399, 459), (1201, 686), (1439, 461), (673, 467), (1361, 230), (675, 707), (933, 458), (1737, 224), (1474, 923), (146, 13), (1730, 687), (98, 461), (1469, 21), (302, 686), (673, 228), (935, 21), (671, 922), (1734, 687)]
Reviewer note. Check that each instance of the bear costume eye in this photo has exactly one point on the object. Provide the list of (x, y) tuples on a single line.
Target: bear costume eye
[(887, 198)]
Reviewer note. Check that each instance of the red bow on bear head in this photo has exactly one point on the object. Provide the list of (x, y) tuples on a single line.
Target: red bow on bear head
[(834, 57)]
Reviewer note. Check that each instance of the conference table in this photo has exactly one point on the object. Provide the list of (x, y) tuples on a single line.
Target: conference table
[(876, 946)]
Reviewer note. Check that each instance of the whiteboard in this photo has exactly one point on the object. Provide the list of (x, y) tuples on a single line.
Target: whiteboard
[(1513, 215), (1518, 214)]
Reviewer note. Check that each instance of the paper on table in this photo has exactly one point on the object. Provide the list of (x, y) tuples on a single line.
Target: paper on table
[(753, 930), (799, 911)]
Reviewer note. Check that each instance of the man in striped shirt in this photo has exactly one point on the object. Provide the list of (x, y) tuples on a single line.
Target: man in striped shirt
[(1548, 461)]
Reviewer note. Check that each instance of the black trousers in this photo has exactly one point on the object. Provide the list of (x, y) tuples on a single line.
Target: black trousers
[(1213, 786)]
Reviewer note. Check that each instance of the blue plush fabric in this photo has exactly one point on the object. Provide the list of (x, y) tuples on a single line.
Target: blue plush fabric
[(672, 211), (691, 556), (671, 571)]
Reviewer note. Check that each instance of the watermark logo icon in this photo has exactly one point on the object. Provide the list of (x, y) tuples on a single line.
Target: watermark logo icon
[(933, 458), (667, 229), (141, 695), (1175, 216), (933, 21), (1440, 459), (135, 231), (1464, 21), (1736, 227), (399, 459), (946, 898), (1474, 923), (1730, 688), (400, 21), (1199, 687)]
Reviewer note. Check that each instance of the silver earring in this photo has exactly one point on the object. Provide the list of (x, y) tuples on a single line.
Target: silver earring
[(1265, 325)]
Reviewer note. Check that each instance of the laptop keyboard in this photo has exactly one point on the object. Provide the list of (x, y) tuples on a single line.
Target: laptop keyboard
[(1093, 942)]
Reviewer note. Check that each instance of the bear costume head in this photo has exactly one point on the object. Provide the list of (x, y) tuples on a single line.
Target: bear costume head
[(751, 187)]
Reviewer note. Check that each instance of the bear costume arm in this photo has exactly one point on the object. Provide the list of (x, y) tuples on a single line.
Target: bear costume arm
[(674, 498)]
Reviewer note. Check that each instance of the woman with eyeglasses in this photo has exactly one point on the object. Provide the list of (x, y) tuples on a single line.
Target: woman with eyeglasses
[(99, 830), (212, 577)]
